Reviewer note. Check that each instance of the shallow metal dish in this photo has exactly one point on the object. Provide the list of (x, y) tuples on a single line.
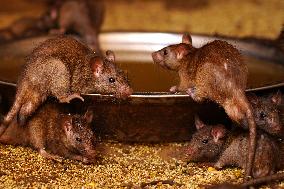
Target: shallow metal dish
[(153, 116)]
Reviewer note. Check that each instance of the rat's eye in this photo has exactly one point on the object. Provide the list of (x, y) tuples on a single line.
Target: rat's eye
[(78, 139), (205, 141), (111, 80), (262, 115), (165, 52)]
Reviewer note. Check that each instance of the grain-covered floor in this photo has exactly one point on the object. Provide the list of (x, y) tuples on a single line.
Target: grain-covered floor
[(117, 166), (129, 166)]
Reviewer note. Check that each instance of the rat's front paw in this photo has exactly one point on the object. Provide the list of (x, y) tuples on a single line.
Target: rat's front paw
[(218, 166), (58, 159), (191, 92), (87, 160), (174, 89)]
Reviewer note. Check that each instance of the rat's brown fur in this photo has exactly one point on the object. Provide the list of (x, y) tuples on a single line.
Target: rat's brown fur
[(224, 148), (55, 134), (266, 110), (215, 71), (64, 68)]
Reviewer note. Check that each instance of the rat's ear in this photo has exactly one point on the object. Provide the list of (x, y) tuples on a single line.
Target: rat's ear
[(89, 115), (186, 38), (181, 51), (218, 132), (97, 66), (198, 123), (252, 98), (110, 55), (276, 98)]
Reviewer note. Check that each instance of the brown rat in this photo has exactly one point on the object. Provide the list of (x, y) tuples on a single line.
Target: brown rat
[(28, 27), (84, 17), (266, 110), (24, 27), (216, 72), (55, 134), (223, 147), (64, 68)]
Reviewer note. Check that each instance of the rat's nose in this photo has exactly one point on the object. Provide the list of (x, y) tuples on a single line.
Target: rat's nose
[(155, 56)]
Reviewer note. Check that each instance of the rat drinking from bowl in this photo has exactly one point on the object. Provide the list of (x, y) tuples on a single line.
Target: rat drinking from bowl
[(65, 68)]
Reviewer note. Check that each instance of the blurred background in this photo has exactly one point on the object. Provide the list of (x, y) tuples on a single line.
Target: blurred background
[(241, 18)]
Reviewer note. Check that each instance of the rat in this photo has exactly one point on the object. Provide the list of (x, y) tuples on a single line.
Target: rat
[(28, 27), (55, 134), (21, 28), (84, 17), (64, 68), (267, 113), (215, 71), (215, 143)]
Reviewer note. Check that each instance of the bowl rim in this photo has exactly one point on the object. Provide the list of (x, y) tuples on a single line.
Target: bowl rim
[(157, 94), (253, 47)]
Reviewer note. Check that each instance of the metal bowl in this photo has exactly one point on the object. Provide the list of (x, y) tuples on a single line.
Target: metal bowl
[(151, 114)]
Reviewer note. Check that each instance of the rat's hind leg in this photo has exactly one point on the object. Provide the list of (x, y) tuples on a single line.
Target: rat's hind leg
[(21, 93), (28, 108), (25, 111), (60, 85), (18, 103), (38, 140)]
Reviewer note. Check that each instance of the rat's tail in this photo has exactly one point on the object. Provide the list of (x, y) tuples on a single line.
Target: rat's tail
[(239, 109), (263, 180), (252, 139), (13, 112), (253, 182)]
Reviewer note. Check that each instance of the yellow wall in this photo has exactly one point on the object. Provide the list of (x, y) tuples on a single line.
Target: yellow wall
[(260, 18)]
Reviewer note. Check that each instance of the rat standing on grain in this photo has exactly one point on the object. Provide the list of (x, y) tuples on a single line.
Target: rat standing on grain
[(214, 143), (55, 134), (216, 72), (64, 68)]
